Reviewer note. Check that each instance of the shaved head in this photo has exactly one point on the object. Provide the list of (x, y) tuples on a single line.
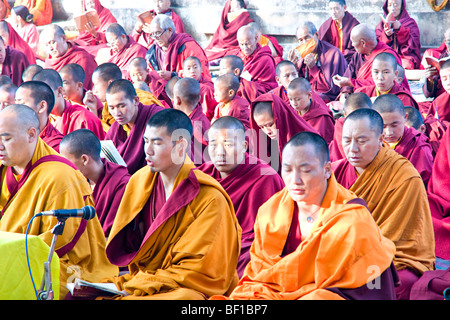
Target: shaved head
[(82, 141), (355, 101)]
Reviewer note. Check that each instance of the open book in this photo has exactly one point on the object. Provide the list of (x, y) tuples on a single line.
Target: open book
[(435, 62), (81, 288), (146, 16), (110, 153), (88, 16)]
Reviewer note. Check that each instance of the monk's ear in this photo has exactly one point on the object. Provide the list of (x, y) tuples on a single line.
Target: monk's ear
[(278, 80), (85, 159), (327, 169), (32, 134), (237, 72), (310, 95), (136, 100), (422, 128), (43, 107)]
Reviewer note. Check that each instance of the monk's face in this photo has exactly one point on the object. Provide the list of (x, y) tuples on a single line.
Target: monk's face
[(137, 73), (122, 108), (100, 86), (305, 174), (2, 52), (358, 44), (226, 67), (394, 126), (222, 93), (360, 142), (54, 45), (71, 88), (160, 36), (116, 43), (161, 6), (299, 100), (267, 124), (26, 96), (6, 98), (226, 149), (383, 75), (336, 11), (288, 73), (192, 69), (445, 79), (395, 6), (248, 42), (89, 4)]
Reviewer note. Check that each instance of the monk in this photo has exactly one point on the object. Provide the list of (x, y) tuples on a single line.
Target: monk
[(7, 93), (385, 76), (414, 119), (41, 10), (48, 182), (186, 241), (408, 142), (31, 71), (230, 104), (39, 96), (310, 106), (336, 29), (192, 67), (107, 179), (14, 40), (141, 32), (286, 72), (400, 31), (234, 16), (248, 181), (12, 62), (354, 101), (319, 61), (186, 97), (248, 90), (60, 52), (259, 65), (122, 48), (394, 192), (315, 240), (272, 124), (170, 49), (67, 117), (130, 118), (22, 21)]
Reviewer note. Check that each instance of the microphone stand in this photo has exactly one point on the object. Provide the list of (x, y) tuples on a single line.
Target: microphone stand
[(46, 291)]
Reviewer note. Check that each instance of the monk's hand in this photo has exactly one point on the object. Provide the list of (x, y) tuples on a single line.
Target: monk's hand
[(166, 75), (430, 72), (90, 101), (146, 28), (292, 56), (396, 25), (138, 26), (309, 60), (341, 81), (91, 29)]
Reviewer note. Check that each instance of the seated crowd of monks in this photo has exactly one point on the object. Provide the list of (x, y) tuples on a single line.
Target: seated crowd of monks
[(317, 176)]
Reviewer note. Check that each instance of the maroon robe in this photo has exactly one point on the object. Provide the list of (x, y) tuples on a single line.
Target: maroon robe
[(328, 32), (123, 57), (330, 62), (249, 90), (15, 41), (249, 185), (199, 145), (435, 89), (281, 92), (51, 136), (320, 117), (238, 108), (131, 147), (224, 38), (405, 41), (207, 100), (404, 95), (74, 54), (14, 65), (157, 86), (437, 119), (108, 192), (278, 48), (335, 146)]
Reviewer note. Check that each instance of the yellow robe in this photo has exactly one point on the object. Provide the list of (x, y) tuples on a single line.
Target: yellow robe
[(193, 253), (53, 185)]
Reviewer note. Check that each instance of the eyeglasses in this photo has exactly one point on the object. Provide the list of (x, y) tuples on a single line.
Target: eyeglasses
[(112, 43), (157, 35)]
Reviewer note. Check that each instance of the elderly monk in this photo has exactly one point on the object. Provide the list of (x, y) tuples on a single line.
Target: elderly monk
[(400, 32), (67, 117), (234, 16), (42, 10), (248, 90), (40, 97), (354, 101), (394, 192), (14, 40), (319, 61), (107, 179), (286, 72), (186, 97), (336, 29), (248, 181), (310, 106), (315, 239), (60, 52), (170, 49), (122, 48), (359, 69), (130, 117), (175, 228), (36, 179), (408, 142), (12, 62), (259, 65)]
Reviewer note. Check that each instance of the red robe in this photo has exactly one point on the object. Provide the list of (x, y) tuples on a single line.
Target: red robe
[(207, 100), (238, 107), (16, 42), (131, 146), (320, 118), (123, 57), (328, 32), (335, 146), (437, 119), (108, 192), (249, 90), (249, 185), (76, 117), (437, 88), (405, 41), (74, 54), (14, 65), (224, 38), (51, 136), (397, 89), (278, 48), (199, 144), (281, 92)]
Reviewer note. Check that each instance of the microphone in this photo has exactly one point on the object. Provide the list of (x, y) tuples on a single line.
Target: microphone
[(86, 213)]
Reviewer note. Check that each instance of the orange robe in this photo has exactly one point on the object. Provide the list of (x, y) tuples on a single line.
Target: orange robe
[(191, 247), (55, 185), (343, 244)]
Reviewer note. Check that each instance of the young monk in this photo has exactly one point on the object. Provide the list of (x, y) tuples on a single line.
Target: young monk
[(230, 104), (408, 142), (414, 119), (40, 97), (286, 72), (35, 178), (315, 240), (394, 192), (67, 117), (107, 179), (7, 93), (183, 239), (248, 181), (30, 71), (130, 117), (310, 106)]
